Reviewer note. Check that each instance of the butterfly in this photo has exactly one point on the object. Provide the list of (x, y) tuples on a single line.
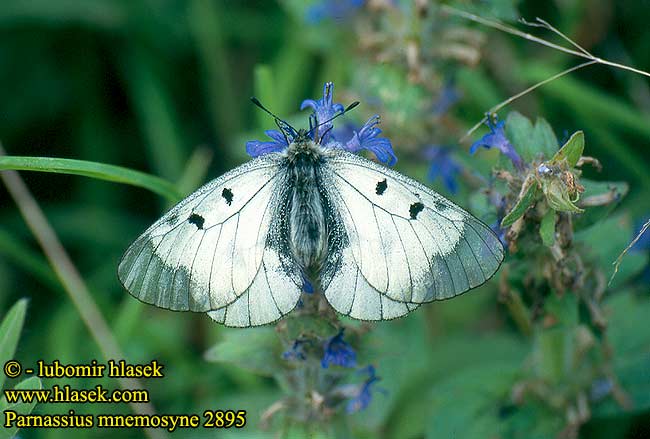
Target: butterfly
[(375, 243)]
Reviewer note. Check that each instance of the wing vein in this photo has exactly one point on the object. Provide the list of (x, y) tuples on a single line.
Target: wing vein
[(440, 255), (429, 263), (498, 260), (383, 248), (189, 277), (268, 284), (406, 256), (214, 253)]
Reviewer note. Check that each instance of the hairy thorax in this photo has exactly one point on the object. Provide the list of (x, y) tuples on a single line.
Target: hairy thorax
[(307, 221)]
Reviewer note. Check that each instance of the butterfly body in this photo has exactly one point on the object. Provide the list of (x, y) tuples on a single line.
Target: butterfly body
[(307, 219), (377, 243)]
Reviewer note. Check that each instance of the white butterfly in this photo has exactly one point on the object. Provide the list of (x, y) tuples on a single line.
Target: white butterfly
[(377, 243)]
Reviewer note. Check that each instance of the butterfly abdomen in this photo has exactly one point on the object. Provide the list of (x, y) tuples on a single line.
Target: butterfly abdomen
[(307, 226)]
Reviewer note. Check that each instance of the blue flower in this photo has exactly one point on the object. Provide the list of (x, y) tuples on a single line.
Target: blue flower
[(449, 95), (496, 138), (307, 287), (444, 166), (337, 9), (499, 201), (367, 139), (364, 395), (338, 352), (256, 148), (600, 388), (324, 109), (296, 352)]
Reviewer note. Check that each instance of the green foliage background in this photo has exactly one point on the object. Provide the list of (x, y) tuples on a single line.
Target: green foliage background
[(162, 87)]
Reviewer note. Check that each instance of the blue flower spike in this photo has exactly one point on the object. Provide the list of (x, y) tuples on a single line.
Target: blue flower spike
[(324, 109), (364, 395), (296, 353), (367, 138), (332, 9), (496, 138), (443, 165), (338, 352)]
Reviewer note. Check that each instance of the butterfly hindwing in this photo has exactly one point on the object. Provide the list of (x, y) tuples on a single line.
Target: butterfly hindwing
[(216, 250), (404, 244)]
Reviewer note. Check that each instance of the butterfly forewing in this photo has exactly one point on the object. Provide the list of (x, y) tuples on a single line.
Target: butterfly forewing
[(405, 244), (217, 250)]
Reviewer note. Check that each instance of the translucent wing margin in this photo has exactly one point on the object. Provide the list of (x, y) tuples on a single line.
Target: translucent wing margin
[(216, 250), (404, 244)]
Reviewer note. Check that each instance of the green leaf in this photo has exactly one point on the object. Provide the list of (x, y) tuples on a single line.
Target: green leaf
[(544, 139), (257, 350), (529, 191), (553, 347), (299, 326), (572, 150), (628, 320), (606, 240), (10, 329), (519, 131), (557, 196), (467, 404), (100, 171), (22, 408), (21, 254), (599, 193), (547, 228)]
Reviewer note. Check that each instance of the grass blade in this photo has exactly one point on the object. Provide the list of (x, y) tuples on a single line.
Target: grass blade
[(96, 170)]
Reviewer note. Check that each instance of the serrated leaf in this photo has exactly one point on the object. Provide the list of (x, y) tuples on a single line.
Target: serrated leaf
[(519, 130), (10, 329), (544, 139), (529, 191), (547, 228), (572, 150), (257, 350)]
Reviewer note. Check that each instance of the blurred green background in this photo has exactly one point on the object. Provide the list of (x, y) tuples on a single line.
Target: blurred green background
[(162, 87)]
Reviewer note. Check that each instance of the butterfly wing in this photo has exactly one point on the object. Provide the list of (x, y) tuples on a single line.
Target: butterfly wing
[(401, 244), (220, 249)]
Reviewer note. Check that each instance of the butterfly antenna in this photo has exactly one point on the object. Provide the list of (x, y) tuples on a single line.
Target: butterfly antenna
[(283, 125), (348, 108)]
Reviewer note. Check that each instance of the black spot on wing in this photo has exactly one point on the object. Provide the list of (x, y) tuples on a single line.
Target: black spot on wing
[(197, 220), (415, 209), (172, 219), (227, 195), (381, 187), (440, 206)]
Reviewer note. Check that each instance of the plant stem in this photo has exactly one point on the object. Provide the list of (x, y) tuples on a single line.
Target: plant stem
[(72, 282)]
